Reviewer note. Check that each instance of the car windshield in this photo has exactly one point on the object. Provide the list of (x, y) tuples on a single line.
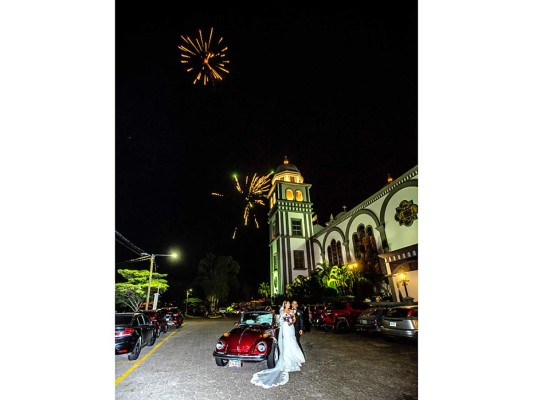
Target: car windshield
[(369, 313), (252, 318)]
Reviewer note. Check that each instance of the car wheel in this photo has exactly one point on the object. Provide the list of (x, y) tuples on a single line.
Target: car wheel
[(221, 362), (136, 351), (273, 357), (152, 340), (341, 326)]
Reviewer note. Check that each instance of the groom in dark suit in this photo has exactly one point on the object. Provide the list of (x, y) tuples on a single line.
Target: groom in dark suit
[(299, 324)]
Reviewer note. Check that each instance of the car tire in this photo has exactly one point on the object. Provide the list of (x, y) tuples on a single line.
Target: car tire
[(221, 362), (136, 351), (152, 340), (341, 326), (273, 357)]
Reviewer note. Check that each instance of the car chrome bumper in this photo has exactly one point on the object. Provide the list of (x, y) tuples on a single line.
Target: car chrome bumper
[(242, 357)]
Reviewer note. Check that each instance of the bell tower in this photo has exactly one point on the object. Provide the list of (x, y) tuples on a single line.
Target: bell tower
[(290, 219)]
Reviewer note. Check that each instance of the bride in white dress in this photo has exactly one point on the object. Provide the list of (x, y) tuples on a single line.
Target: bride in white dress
[(291, 357)]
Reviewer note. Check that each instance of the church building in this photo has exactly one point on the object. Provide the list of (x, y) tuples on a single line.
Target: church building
[(380, 233)]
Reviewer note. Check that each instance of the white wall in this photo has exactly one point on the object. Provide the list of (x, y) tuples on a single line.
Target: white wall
[(401, 236)]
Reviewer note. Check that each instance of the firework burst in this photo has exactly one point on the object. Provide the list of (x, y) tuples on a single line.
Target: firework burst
[(253, 191), (205, 59)]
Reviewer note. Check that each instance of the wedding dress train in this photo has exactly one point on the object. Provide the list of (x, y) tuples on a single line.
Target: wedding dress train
[(290, 359)]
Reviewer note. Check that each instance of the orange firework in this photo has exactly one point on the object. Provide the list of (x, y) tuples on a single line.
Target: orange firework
[(205, 59), (253, 192)]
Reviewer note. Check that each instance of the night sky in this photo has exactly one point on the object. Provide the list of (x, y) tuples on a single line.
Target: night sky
[(333, 88)]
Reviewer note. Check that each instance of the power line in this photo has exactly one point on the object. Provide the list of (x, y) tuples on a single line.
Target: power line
[(129, 245), (144, 258)]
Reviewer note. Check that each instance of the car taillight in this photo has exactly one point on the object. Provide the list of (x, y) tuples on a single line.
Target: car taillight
[(411, 312), (152, 318), (125, 332)]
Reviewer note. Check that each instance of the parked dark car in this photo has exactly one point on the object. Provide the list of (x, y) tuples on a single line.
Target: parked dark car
[(370, 320), (158, 320), (254, 338), (173, 316), (401, 322), (133, 331)]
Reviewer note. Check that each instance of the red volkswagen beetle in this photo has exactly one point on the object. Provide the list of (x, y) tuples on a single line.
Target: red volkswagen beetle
[(254, 338)]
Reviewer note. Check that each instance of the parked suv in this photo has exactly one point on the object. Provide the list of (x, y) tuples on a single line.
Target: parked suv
[(401, 322), (341, 316)]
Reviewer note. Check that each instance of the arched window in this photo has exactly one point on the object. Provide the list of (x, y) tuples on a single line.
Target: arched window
[(289, 195), (356, 246), (365, 249), (372, 250), (299, 195), (340, 259), (360, 252), (335, 253)]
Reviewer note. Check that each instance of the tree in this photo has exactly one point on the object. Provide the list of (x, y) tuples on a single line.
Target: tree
[(299, 289), (264, 290), (216, 276), (132, 293)]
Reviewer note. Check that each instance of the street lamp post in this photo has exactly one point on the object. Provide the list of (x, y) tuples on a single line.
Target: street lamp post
[(187, 300), (152, 259), (403, 280), (353, 268)]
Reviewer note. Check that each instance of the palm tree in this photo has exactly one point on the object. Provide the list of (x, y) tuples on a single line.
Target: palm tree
[(336, 278), (264, 290)]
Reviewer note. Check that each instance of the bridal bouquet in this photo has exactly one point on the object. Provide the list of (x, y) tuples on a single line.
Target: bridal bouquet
[(288, 318)]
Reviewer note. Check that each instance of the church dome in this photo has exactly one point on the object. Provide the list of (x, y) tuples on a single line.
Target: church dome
[(287, 172), (287, 167)]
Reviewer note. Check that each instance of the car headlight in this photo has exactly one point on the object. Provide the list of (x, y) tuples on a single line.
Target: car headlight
[(220, 345), (262, 347)]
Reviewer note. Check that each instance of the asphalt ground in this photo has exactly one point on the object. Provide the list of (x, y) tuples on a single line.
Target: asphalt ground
[(180, 365)]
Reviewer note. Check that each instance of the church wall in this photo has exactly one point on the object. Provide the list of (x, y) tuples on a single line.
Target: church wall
[(399, 236)]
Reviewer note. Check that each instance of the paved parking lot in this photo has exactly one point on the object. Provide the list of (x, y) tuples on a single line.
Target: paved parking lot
[(350, 366)]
